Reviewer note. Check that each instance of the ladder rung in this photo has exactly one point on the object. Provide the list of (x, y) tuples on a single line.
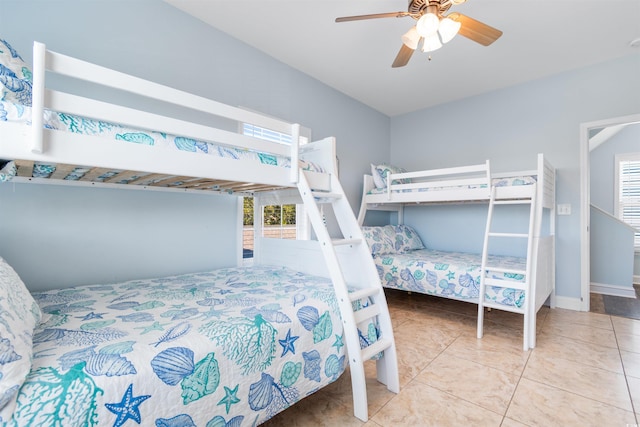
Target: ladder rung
[(326, 195), (526, 201), (511, 308), (505, 270), (363, 293), (375, 348), (508, 234), (341, 242), (521, 286), (366, 313)]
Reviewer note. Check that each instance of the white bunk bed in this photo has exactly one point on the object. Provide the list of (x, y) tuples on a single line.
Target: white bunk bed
[(415, 268), (193, 368)]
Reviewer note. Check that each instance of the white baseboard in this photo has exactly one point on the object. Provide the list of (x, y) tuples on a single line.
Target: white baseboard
[(636, 280), (568, 303), (614, 290)]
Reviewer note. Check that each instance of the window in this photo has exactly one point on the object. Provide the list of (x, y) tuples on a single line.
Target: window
[(628, 192), (287, 221)]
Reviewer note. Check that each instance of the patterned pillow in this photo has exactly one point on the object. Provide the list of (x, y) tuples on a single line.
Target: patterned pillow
[(380, 239), (380, 173), (15, 76), (7, 170), (19, 315), (406, 238)]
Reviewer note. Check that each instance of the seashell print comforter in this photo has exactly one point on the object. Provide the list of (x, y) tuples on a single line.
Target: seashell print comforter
[(229, 347), (449, 274)]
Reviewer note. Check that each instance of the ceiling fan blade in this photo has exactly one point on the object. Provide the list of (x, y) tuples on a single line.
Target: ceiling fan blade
[(403, 56), (373, 16), (475, 30)]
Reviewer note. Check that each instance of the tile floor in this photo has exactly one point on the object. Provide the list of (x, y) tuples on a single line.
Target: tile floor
[(585, 370)]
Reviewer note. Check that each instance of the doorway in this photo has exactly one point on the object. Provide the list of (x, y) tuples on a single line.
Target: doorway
[(585, 199)]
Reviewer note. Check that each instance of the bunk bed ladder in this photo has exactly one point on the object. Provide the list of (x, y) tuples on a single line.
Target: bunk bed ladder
[(358, 289), (518, 279)]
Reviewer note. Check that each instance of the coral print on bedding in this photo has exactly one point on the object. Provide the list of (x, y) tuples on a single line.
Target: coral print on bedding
[(227, 347)]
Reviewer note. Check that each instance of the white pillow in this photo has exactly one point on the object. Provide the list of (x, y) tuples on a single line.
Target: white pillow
[(19, 315)]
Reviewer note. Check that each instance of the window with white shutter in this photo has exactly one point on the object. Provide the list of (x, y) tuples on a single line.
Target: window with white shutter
[(627, 203)]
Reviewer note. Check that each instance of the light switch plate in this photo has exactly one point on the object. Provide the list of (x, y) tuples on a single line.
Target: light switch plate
[(564, 209)]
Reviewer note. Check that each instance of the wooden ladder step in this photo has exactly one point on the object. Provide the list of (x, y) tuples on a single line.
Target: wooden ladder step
[(503, 307), (502, 283), (345, 242), (363, 293), (325, 195), (526, 201), (493, 234), (505, 270), (366, 313), (375, 348)]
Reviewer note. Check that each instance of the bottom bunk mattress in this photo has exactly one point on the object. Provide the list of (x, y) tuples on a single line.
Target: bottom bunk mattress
[(449, 274), (227, 347)]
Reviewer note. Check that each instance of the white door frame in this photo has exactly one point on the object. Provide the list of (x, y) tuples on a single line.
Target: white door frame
[(585, 200)]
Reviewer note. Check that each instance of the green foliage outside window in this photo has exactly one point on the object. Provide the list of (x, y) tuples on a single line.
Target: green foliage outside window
[(273, 214)]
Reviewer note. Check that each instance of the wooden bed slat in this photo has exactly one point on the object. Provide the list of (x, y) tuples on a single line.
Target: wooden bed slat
[(94, 173), (62, 171), (25, 168)]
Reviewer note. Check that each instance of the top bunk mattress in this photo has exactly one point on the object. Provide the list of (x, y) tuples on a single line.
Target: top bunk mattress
[(510, 181), (20, 89), (18, 113)]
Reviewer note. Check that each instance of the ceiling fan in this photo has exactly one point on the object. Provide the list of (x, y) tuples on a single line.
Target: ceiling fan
[(433, 28)]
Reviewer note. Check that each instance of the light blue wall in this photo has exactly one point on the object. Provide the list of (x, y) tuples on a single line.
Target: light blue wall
[(602, 171), (153, 40), (611, 251), (509, 127)]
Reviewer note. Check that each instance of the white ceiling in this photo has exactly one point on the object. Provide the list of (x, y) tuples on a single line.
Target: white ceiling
[(541, 37)]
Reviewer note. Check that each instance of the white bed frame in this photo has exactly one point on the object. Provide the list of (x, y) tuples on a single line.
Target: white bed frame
[(28, 143), (451, 185), (69, 148)]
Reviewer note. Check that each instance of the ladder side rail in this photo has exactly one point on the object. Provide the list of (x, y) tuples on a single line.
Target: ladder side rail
[(483, 264), (350, 333), (530, 293)]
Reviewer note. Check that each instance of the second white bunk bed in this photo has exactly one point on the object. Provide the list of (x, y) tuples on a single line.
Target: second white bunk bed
[(52, 136), (459, 275)]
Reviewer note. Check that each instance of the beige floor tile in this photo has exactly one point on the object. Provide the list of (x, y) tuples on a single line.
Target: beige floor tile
[(559, 347), (631, 363), (492, 351), (628, 342), (508, 422), (634, 390), (536, 404), (588, 381), (487, 387), (562, 316), (319, 409), (377, 393), (421, 405), (626, 326), (581, 332)]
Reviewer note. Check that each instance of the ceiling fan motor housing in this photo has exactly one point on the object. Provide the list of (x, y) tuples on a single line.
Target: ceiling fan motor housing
[(418, 7)]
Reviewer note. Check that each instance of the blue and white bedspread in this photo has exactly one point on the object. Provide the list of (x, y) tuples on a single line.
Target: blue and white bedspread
[(449, 274), (497, 182), (228, 347), (81, 125)]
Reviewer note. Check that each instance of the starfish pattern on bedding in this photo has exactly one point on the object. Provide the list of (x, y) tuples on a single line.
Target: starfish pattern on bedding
[(229, 397), (288, 344), (127, 408), (338, 344)]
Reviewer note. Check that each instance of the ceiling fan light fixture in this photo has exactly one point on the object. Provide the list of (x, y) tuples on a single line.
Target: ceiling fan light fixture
[(431, 43), (428, 24), (448, 29), (411, 38)]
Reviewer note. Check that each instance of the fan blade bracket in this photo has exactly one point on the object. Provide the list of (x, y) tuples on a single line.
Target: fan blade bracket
[(373, 16)]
